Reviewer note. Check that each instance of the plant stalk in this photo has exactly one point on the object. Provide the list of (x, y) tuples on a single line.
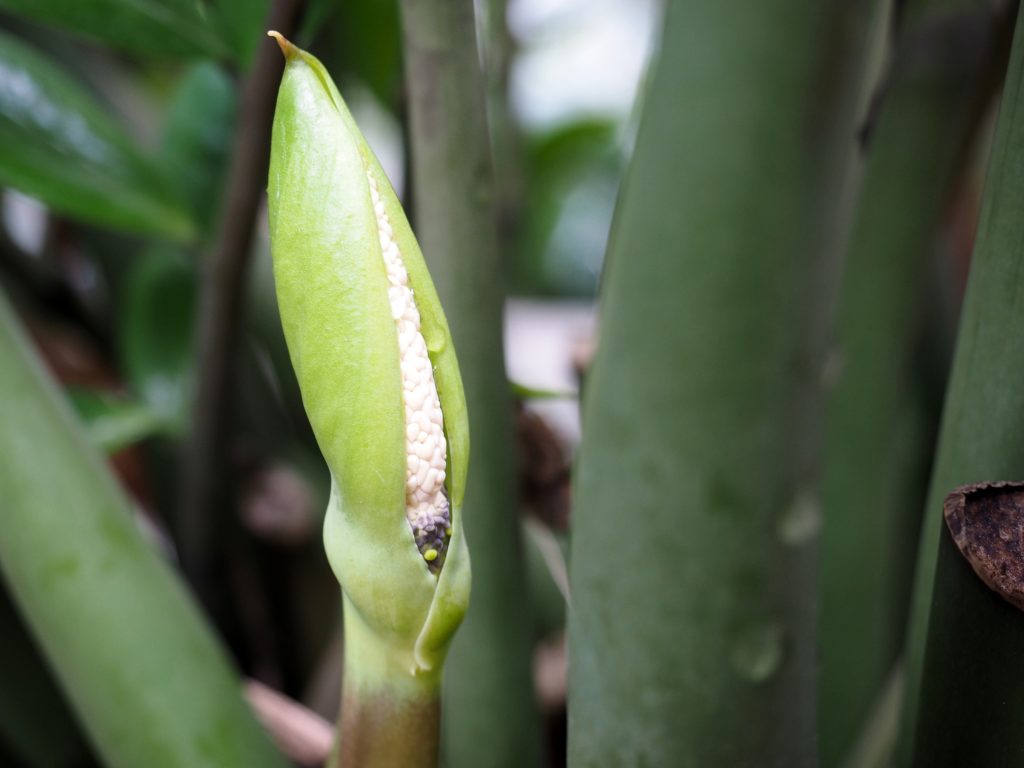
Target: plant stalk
[(389, 717), (692, 625)]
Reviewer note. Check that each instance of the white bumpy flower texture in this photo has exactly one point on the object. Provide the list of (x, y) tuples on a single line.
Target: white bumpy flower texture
[(426, 503)]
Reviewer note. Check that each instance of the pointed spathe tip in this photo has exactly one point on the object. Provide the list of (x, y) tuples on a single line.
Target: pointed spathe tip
[(287, 48)]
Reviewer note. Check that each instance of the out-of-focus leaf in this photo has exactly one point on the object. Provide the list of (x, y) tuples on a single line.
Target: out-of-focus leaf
[(242, 25), (147, 678), (317, 14), (963, 650), (524, 392), (879, 421), (573, 180), (156, 331), (263, 323), (364, 40), (115, 422), (167, 28), (197, 139), (60, 146), (547, 575), (153, 27)]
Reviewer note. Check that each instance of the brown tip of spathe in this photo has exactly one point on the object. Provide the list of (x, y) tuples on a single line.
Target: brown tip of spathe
[(286, 46)]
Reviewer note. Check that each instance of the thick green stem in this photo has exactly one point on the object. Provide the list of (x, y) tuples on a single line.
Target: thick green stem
[(695, 523), (490, 717), (390, 718)]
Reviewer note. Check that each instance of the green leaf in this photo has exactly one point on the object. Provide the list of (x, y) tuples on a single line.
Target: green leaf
[(547, 577), (156, 338), (879, 425), (318, 13), (151, 27), (525, 392), (115, 422), (242, 25), (963, 651), (59, 145), (198, 138), (364, 41), (148, 680), (165, 28), (574, 176)]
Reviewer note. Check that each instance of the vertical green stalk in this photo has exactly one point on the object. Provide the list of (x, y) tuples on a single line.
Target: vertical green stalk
[(692, 622), (964, 645), (877, 429), (489, 708), (144, 674)]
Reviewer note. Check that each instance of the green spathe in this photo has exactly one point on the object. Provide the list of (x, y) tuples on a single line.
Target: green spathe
[(332, 295)]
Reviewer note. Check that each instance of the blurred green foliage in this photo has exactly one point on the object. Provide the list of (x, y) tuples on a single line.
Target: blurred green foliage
[(58, 144), (197, 139), (167, 28), (156, 331), (572, 173)]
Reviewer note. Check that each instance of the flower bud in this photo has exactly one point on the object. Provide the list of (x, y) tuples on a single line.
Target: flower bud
[(374, 360)]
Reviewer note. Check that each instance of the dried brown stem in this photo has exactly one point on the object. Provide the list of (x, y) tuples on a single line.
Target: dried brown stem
[(220, 312)]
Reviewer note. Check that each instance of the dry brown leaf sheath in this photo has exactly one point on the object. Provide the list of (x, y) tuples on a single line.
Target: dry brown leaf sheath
[(987, 523)]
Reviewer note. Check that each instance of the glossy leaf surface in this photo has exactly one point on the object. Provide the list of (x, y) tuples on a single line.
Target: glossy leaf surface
[(150, 27), (58, 144)]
